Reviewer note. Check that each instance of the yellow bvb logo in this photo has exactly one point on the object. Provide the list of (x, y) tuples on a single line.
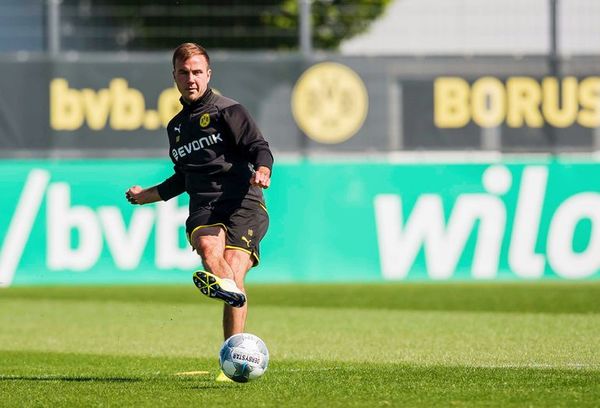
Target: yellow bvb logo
[(204, 120), (330, 102)]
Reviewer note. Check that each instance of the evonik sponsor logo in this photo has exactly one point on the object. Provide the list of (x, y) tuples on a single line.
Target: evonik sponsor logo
[(196, 145), (401, 238)]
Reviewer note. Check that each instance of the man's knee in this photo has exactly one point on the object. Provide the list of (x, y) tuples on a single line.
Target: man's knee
[(209, 242), (204, 247), (240, 263), (210, 252), (238, 260)]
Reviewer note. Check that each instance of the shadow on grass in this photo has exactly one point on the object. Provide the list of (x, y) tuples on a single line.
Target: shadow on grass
[(64, 378), (209, 386)]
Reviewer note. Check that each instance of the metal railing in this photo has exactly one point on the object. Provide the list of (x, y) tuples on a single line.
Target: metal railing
[(425, 27)]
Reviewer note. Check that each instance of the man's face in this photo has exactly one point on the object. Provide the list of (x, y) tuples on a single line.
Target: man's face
[(192, 76)]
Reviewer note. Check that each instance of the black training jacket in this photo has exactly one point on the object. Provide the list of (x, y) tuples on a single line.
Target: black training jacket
[(215, 146)]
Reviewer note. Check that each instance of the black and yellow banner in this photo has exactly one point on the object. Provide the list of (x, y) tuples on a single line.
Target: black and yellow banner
[(107, 105)]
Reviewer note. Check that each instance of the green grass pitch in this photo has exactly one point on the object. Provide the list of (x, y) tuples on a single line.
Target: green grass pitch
[(376, 345)]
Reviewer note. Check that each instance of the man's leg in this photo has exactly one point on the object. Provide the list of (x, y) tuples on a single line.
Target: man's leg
[(209, 242), (234, 318)]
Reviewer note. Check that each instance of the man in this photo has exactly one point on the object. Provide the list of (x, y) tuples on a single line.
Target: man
[(222, 161)]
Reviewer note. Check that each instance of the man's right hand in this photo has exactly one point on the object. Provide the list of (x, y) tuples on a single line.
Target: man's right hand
[(138, 195)]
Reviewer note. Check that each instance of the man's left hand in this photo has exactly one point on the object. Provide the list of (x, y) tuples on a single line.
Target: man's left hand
[(261, 177)]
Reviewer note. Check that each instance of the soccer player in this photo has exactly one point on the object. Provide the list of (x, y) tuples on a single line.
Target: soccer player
[(223, 162)]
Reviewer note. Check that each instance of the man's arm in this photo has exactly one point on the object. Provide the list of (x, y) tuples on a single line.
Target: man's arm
[(249, 138), (139, 195), (171, 187)]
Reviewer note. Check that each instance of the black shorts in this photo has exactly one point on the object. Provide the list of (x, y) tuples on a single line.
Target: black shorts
[(245, 223)]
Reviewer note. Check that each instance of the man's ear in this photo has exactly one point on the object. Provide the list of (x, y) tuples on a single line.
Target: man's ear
[(173, 74), (209, 73)]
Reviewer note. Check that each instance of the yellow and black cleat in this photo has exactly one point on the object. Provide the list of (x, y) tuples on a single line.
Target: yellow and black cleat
[(219, 288)]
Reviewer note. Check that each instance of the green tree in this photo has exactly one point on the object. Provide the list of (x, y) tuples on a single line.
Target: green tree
[(332, 20), (146, 25)]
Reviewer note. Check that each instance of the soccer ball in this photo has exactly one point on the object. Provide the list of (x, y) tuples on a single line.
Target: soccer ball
[(244, 357)]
